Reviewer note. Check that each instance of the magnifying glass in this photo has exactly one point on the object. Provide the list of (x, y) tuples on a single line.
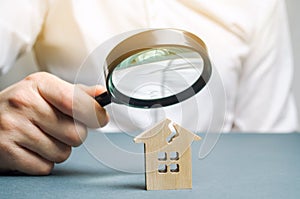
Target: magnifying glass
[(155, 68)]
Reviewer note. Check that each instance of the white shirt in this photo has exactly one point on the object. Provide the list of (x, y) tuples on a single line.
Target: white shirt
[(248, 43)]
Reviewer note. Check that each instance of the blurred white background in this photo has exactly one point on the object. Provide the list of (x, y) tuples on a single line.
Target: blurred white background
[(294, 17), (26, 64)]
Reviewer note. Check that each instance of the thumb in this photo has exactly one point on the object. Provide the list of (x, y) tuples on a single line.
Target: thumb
[(92, 91), (72, 100)]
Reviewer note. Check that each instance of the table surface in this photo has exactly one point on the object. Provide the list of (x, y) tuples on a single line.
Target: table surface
[(240, 166)]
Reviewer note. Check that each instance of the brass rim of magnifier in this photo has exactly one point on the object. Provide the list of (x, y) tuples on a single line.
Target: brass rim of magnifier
[(151, 39)]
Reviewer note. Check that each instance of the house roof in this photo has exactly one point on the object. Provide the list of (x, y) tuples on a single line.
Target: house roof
[(150, 133)]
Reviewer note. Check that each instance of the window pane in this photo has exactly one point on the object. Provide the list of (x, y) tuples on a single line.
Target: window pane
[(162, 156), (174, 168), (174, 155), (162, 168)]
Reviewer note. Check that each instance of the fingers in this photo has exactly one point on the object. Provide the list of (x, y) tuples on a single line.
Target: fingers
[(58, 125), (27, 149), (28, 162), (32, 107), (87, 110), (41, 118), (16, 158), (33, 139), (75, 101)]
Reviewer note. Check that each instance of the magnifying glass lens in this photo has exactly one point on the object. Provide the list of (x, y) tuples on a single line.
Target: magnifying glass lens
[(156, 73)]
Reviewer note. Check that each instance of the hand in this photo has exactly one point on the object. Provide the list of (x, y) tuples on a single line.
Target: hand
[(37, 127)]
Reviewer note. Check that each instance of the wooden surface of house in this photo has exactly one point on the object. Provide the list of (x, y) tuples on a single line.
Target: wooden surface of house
[(167, 156)]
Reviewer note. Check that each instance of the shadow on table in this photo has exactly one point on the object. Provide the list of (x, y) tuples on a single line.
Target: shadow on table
[(106, 178), (87, 177), (72, 172)]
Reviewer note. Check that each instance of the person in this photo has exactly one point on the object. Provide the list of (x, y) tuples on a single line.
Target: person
[(248, 42)]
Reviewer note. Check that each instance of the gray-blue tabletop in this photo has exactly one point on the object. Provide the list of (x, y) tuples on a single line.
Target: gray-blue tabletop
[(240, 166)]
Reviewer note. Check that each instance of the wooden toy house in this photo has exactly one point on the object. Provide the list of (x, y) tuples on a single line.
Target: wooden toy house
[(168, 162)]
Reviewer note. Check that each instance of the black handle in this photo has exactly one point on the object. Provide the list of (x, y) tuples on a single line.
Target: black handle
[(103, 99)]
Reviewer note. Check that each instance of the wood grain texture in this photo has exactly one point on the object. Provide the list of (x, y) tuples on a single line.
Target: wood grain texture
[(167, 162)]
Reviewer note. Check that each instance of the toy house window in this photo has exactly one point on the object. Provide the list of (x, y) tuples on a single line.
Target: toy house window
[(162, 156), (174, 155), (162, 168), (174, 168)]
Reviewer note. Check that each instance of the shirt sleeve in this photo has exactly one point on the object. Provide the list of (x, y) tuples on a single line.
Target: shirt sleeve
[(264, 102), (20, 23)]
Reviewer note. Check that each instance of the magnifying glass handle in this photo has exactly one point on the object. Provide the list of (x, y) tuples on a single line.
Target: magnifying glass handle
[(103, 99)]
